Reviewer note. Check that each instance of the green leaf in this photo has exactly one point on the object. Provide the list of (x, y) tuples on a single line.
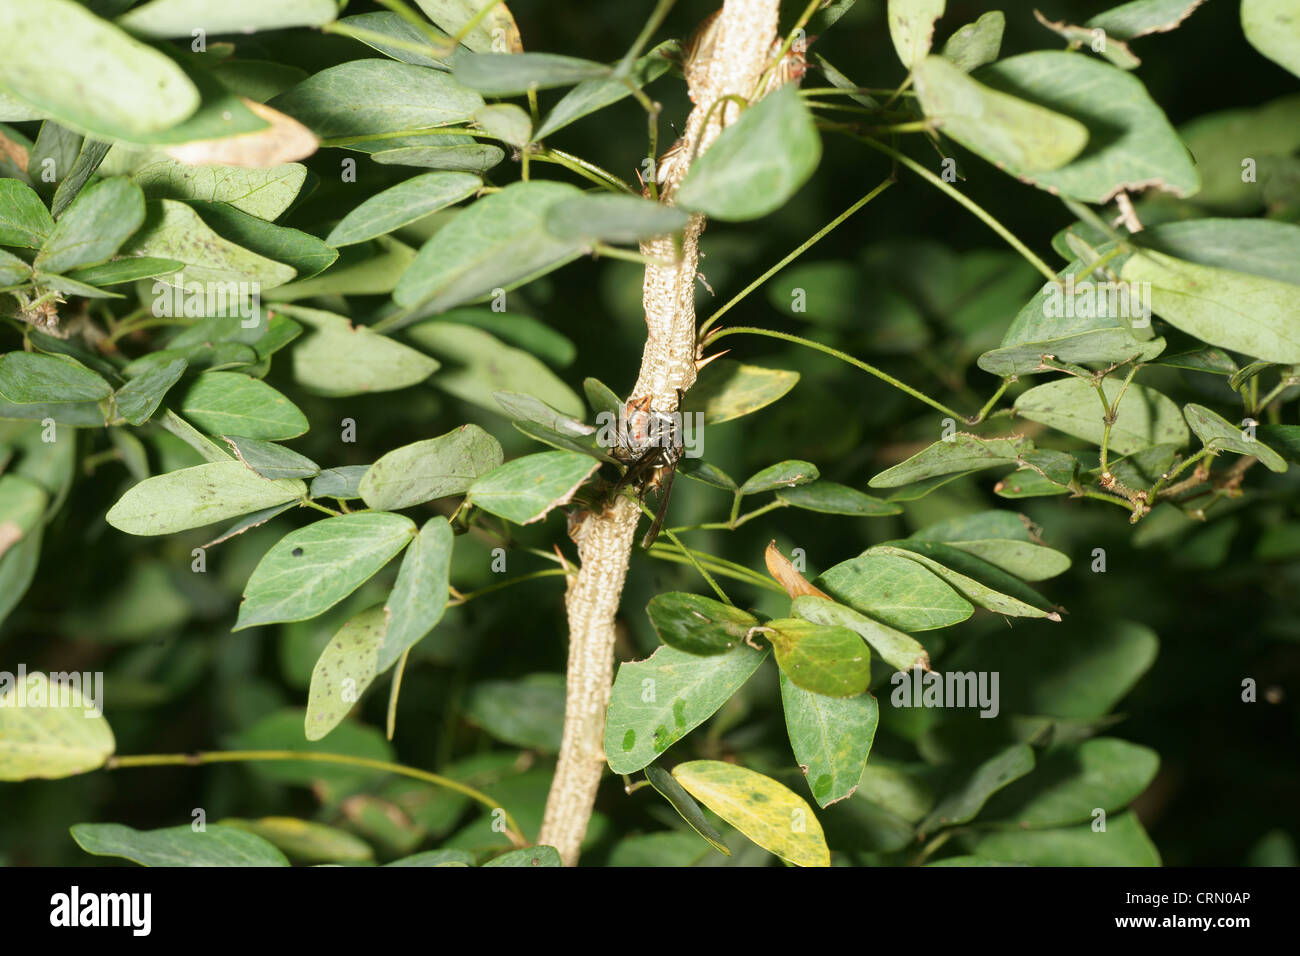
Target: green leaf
[(172, 230), (658, 701), (306, 840), (1006, 130), (338, 359), (66, 287), (79, 414), (479, 366), (13, 271), (896, 591), (530, 409), (960, 454), (1244, 313), (1273, 29), (831, 738), (828, 497), (1002, 539), (343, 483), (272, 461), (310, 570), (198, 496), (299, 250), (228, 403), (500, 241), (468, 157), (433, 468), (976, 43), (179, 18), (563, 441), (215, 845), (784, 474), (393, 26), (377, 96), (1130, 142), (30, 378), (600, 396), (768, 813), (964, 803), (139, 398), (1122, 843), (532, 856), (900, 651), (50, 730), (24, 220), (613, 218), (698, 625), (757, 163), (1260, 247), (126, 88), (119, 271), (529, 488), (728, 390), (525, 713), (99, 220), (595, 94), (512, 74), (346, 667), (402, 204), (1087, 321), (419, 596), (710, 475), (929, 553), (1141, 17), (911, 27), (264, 193), (824, 659), (492, 29), (248, 522), (1109, 345), (1071, 405), (666, 785), (1219, 435), (1074, 779)]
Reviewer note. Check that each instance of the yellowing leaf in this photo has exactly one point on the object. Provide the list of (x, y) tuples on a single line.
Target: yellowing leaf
[(49, 730), (285, 140), (771, 815)]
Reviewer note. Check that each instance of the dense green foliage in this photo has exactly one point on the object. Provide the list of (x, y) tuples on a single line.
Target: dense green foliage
[(309, 317)]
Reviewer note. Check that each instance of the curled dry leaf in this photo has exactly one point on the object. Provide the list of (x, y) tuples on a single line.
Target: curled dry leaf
[(285, 140), (785, 574)]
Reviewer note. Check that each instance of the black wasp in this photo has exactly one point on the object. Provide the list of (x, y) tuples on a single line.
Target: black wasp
[(650, 442)]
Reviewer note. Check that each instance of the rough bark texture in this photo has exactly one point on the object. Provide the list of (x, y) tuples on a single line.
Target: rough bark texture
[(739, 47)]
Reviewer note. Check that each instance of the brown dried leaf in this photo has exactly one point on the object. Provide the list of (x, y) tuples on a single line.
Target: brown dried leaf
[(785, 574)]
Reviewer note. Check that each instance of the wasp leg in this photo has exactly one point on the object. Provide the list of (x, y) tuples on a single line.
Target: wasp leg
[(664, 491)]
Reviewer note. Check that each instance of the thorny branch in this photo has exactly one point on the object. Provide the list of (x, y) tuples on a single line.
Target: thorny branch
[(727, 60)]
